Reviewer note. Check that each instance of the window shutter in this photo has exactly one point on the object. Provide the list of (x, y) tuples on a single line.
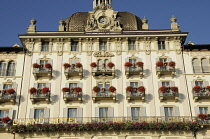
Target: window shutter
[(159, 84), (14, 86), (129, 112), (127, 84), (67, 85), (1, 86), (193, 83), (35, 85), (48, 85), (31, 115), (50, 61), (143, 111), (169, 59), (127, 60), (110, 114), (138, 60), (38, 61), (11, 111), (206, 83), (176, 111), (65, 112), (79, 115), (46, 115), (97, 112), (162, 113), (172, 83), (80, 85), (140, 84), (197, 111)]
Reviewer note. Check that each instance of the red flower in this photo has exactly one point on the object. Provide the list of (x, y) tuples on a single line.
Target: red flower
[(174, 89), (197, 88), (129, 89), (32, 90), (10, 91), (96, 89), (159, 63), (93, 64), (112, 89), (140, 64), (141, 89), (208, 88), (36, 65), (45, 90), (78, 89), (128, 64), (172, 64), (202, 116), (66, 89), (163, 89), (48, 66), (110, 65), (5, 119), (66, 65), (78, 65)]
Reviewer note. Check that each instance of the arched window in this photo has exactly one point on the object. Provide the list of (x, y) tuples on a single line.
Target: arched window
[(2, 68), (196, 66), (205, 65), (11, 68), (99, 64)]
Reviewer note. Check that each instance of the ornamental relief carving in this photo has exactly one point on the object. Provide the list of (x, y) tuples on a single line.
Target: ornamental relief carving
[(103, 54), (200, 53)]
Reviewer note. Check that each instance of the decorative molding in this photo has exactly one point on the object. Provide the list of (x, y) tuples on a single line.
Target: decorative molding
[(103, 54)]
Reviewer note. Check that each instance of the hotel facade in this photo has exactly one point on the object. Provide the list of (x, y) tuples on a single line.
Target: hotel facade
[(105, 75)]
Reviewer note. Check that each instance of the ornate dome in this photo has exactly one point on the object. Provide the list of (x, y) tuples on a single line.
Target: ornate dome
[(127, 20)]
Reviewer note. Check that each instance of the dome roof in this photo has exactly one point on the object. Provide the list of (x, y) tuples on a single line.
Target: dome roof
[(127, 20)]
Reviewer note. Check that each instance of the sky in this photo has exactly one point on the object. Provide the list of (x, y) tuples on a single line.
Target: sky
[(192, 15)]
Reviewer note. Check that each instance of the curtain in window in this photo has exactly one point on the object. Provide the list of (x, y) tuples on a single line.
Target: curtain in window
[(106, 62), (107, 85), (102, 45), (74, 46), (196, 65), (39, 114), (4, 114), (45, 46), (134, 84), (2, 68), (205, 65), (11, 68), (7, 86), (135, 112), (203, 110), (72, 112), (103, 112), (168, 111), (131, 45)]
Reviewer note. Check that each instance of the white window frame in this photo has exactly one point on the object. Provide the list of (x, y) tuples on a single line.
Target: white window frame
[(161, 45), (45, 47)]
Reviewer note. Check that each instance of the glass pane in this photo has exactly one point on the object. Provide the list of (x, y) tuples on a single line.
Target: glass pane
[(134, 84), (45, 46), (135, 112), (72, 112), (41, 85), (7, 86), (11, 69), (72, 85), (39, 114), (103, 112), (74, 46), (199, 83), (165, 83)]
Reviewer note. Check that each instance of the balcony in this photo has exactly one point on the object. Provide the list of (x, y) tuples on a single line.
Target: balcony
[(107, 72), (42, 72), (7, 97), (40, 95), (104, 95), (73, 72), (165, 69), (72, 96), (201, 93), (133, 71), (168, 93)]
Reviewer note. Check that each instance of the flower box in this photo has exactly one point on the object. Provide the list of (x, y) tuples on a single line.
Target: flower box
[(128, 64), (78, 65), (77, 89), (110, 65), (202, 116), (172, 64), (10, 91), (48, 66), (163, 89), (112, 89), (129, 89), (66, 89), (208, 88), (140, 64), (45, 90), (93, 65), (96, 89), (66, 65), (159, 63), (197, 88), (141, 89), (174, 89), (36, 65), (33, 90), (5, 119)]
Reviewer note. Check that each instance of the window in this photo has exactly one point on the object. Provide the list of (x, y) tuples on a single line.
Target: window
[(103, 112), (196, 65), (135, 112), (203, 110), (102, 45), (11, 68), (102, 64), (131, 45), (74, 46), (205, 65), (7, 86), (2, 68), (4, 113), (41, 85), (72, 85), (133, 61), (39, 113), (161, 45), (199, 83), (72, 112), (163, 59), (104, 85), (45, 46), (168, 111), (134, 84), (167, 84)]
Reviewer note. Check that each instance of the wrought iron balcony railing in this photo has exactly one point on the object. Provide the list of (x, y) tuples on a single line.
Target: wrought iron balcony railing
[(203, 94), (97, 72), (73, 72), (132, 71), (165, 70), (4, 97), (42, 72), (103, 95), (39, 96), (72, 96), (168, 95), (135, 95)]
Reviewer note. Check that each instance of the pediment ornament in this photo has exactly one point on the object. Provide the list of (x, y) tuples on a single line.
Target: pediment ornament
[(103, 54)]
